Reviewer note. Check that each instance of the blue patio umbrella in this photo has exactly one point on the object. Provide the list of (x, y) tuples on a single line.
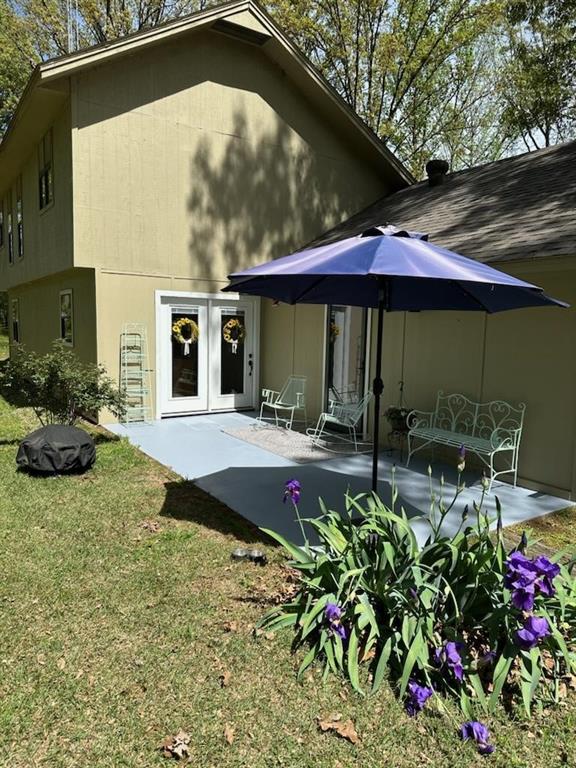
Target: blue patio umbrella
[(388, 269)]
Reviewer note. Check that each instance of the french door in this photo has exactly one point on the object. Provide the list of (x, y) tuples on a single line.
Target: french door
[(207, 353)]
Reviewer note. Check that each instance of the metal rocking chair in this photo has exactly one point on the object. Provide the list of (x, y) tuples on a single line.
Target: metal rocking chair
[(291, 398), (341, 416)]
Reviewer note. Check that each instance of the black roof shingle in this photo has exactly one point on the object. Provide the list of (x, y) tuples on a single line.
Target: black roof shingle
[(522, 207)]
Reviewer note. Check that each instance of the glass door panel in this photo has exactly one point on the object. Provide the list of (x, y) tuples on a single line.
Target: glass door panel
[(232, 355), (206, 354), (183, 341), (185, 334), (346, 353), (232, 363)]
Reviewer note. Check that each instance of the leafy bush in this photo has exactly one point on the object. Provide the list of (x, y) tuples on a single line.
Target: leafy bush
[(458, 615), (58, 386)]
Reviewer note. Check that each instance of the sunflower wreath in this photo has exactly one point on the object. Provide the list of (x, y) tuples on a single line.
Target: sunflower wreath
[(177, 328), (233, 332)]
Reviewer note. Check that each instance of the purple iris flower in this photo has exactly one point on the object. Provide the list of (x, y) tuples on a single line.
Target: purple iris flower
[(333, 614), (536, 628), (526, 578), (523, 597), (418, 695), (450, 655), (548, 572), (479, 733), (292, 491), (461, 458), (489, 657)]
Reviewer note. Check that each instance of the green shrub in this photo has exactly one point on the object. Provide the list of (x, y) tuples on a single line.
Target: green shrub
[(457, 615), (58, 386)]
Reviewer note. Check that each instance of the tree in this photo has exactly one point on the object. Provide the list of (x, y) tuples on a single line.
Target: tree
[(538, 82), (17, 60), (409, 68)]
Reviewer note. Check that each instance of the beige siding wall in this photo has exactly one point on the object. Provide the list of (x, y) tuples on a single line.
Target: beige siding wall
[(291, 338), (200, 157), (47, 233), (196, 159), (521, 356), (39, 309), (293, 342)]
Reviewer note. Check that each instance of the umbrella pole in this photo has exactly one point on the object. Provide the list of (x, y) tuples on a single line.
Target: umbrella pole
[(378, 384)]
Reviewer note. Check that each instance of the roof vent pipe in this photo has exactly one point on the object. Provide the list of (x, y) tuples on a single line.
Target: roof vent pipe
[(436, 170)]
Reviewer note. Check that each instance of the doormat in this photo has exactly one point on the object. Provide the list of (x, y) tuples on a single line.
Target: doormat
[(291, 445)]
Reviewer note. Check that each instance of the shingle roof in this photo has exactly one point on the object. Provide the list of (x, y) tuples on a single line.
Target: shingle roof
[(522, 207)]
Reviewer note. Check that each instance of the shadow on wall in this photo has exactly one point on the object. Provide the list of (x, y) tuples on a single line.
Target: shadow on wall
[(252, 201)]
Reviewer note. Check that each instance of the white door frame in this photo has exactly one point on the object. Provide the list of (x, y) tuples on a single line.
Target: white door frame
[(231, 297)]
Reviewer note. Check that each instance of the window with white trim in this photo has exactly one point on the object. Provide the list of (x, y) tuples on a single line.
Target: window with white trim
[(19, 218), (15, 311), (45, 171), (10, 232), (67, 318)]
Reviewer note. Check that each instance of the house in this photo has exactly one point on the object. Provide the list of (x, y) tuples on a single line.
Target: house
[(136, 175), (518, 215)]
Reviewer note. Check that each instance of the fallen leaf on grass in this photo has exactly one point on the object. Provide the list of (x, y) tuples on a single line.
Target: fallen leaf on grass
[(344, 729), (230, 626), (229, 733), (368, 655), (225, 678), (176, 746), (61, 663), (41, 659), (150, 525)]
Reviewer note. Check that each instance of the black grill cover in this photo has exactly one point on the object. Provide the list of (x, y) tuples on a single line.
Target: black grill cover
[(57, 448)]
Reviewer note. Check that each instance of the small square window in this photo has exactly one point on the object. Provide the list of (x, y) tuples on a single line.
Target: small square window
[(67, 318), (15, 307)]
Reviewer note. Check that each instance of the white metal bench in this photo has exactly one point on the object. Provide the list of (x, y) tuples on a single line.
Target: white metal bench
[(484, 429)]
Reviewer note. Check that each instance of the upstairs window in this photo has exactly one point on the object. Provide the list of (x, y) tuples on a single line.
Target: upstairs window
[(10, 230), (66, 318), (19, 218), (15, 320), (45, 172), (1, 223)]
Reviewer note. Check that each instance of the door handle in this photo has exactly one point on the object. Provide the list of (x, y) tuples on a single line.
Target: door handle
[(250, 364)]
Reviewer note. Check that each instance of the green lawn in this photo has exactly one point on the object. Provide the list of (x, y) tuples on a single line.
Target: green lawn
[(114, 636), (3, 345)]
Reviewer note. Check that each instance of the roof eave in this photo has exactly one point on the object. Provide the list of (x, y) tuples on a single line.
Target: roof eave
[(48, 72)]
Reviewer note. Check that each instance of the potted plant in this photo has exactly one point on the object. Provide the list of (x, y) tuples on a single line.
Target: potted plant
[(397, 418)]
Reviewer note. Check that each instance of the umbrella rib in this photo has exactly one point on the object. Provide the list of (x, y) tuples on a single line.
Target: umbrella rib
[(307, 290), (471, 295)]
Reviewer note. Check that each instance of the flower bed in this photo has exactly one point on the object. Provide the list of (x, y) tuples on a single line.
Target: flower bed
[(459, 616)]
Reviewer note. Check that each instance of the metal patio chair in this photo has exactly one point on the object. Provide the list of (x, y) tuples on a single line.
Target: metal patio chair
[(291, 398), (339, 418)]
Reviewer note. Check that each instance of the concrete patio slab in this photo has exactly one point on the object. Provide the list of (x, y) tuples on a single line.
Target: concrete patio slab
[(250, 480)]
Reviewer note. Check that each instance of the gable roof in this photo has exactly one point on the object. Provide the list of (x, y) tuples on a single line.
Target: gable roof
[(242, 19), (522, 207)]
